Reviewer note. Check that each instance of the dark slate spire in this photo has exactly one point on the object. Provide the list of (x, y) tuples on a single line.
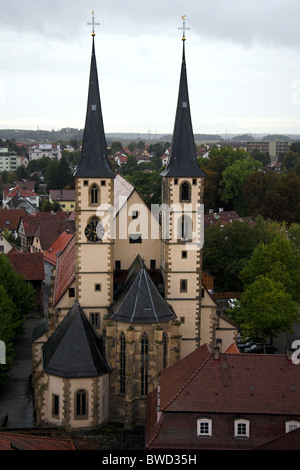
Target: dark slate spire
[(74, 350), (183, 158), (139, 301), (94, 161)]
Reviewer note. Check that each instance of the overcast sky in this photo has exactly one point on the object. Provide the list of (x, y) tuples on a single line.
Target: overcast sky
[(243, 64)]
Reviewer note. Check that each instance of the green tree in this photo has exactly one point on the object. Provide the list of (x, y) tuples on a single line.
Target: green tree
[(20, 292), (7, 332), (265, 309), (279, 261), (233, 180), (226, 251)]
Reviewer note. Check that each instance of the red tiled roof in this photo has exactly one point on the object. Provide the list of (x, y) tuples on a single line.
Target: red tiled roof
[(58, 246), (233, 349), (48, 231), (29, 265), (11, 441), (31, 222), (13, 216), (287, 441), (236, 383), (65, 271), (18, 190)]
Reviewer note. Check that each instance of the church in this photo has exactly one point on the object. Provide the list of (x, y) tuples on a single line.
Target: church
[(128, 296)]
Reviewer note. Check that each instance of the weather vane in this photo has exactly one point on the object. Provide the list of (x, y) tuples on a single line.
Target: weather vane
[(184, 28), (93, 24)]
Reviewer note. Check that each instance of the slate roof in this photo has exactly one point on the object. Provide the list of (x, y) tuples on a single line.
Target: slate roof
[(94, 162), (183, 157), (139, 301), (29, 265), (74, 349), (12, 441)]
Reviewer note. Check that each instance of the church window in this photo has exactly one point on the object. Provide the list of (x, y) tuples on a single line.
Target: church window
[(144, 365), (81, 409), (117, 264), (185, 192), (95, 319), (72, 292), (122, 364), (135, 238), (184, 254), (152, 263), (185, 228), (55, 405), (194, 181), (165, 350), (103, 183), (85, 183), (94, 194), (176, 181), (183, 285), (98, 287), (135, 214)]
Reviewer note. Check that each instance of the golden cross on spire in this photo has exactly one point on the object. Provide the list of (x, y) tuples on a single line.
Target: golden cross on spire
[(184, 28), (93, 24)]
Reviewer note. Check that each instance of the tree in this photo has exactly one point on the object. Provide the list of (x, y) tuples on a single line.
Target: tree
[(226, 250), (233, 180), (279, 261), (265, 309), (7, 332), (20, 292)]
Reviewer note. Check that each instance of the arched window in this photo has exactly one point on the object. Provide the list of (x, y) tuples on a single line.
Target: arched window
[(165, 350), (144, 365), (81, 408), (94, 194), (185, 228), (185, 192), (122, 363)]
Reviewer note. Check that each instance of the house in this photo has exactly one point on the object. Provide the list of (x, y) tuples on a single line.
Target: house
[(5, 245), (48, 231), (54, 252), (217, 400), (30, 223), (18, 197), (65, 198), (45, 150), (31, 266), (10, 220)]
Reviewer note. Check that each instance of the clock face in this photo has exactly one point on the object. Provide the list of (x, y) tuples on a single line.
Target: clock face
[(94, 230)]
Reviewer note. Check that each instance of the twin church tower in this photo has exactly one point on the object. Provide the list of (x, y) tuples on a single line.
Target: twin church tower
[(128, 297)]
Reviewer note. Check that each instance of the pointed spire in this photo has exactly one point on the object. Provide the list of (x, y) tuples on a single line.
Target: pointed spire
[(94, 161), (183, 158)]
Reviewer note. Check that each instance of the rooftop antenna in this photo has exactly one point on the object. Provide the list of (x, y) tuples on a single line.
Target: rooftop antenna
[(184, 28), (93, 24)]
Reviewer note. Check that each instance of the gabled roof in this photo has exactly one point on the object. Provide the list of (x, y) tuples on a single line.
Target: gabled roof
[(94, 161), (183, 157), (49, 231), (139, 301), (74, 349), (13, 441), (29, 265), (31, 222), (10, 219), (122, 190), (62, 194), (57, 247), (65, 271), (235, 383)]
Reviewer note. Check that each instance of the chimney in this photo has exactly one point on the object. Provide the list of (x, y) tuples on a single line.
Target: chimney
[(216, 353), (219, 343)]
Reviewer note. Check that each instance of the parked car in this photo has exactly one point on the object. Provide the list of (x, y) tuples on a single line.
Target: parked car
[(232, 303), (260, 349)]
